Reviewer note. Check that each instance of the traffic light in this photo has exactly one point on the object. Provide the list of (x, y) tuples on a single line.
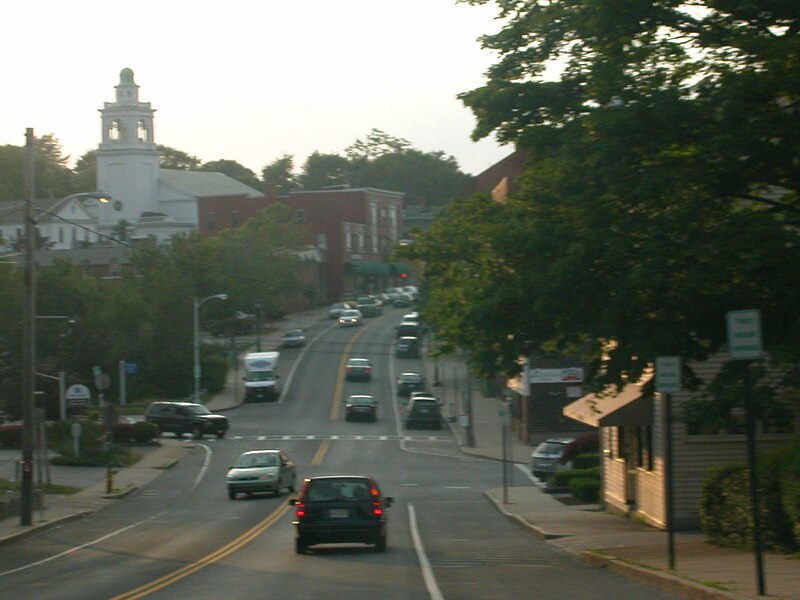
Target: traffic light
[(404, 275)]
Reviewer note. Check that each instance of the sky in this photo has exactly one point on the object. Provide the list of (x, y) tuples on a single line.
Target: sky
[(251, 80)]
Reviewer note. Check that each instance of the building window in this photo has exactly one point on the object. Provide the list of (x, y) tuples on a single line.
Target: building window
[(644, 447), (60, 235), (348, 240), (300, 215), (374, 213), (360, 242), (234, 218), (322, 240), (141, 131), (374, 244), (74, 234), (211, 221)]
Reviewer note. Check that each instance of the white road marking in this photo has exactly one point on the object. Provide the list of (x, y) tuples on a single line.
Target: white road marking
[(427, 572)]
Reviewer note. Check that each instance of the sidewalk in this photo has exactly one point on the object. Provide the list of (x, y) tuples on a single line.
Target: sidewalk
[(637, 551)]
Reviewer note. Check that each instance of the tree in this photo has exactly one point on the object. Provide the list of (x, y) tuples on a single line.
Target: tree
[(234, 170), (86, 172), (653, 201), (280, 173), (177, 159), (53, 176), (322, 171), (376, 144), (426, 178)]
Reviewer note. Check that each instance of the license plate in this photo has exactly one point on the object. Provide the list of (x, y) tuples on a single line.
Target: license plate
[(337, 513)]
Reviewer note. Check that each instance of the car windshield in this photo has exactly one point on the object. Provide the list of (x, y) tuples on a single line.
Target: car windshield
[(260, 376), (198, 409), (410, 378), (261, 459)]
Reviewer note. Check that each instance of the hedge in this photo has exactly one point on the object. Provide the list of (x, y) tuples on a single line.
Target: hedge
[(563, 478), (585, 489), (726, 510), (586, 461), (59, 434)]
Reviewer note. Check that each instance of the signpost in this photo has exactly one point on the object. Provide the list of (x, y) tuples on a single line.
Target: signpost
[(668, 381), (744, 343)]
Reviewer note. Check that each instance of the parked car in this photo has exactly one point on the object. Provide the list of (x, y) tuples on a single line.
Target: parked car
[(369, 306), (358, 369), (408, 382), (295, 338), (185, 417), (336, 509), (261, 471), (423, 411), (336, 309), (407, 347), (350, 318), (361, 407), (546, 457)]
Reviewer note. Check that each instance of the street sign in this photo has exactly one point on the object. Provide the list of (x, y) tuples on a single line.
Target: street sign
[(102, 381), (668, 374), (78, 395), (744, 334), (131, 368)]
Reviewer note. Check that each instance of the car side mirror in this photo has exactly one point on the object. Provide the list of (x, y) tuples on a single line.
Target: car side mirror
[(389, 501)]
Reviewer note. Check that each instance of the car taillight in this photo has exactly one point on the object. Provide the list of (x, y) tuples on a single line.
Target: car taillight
[(301, 510), (376, 509)]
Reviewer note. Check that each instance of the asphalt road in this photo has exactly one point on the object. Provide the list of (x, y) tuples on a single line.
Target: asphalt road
[(182, 537)]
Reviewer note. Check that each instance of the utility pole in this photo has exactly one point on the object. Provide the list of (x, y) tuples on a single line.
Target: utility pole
[(28, 339)]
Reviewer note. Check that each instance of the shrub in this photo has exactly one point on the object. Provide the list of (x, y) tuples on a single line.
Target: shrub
[(98, 457), (585, 489), (583, 444), (11, 436), (586, 461), (144, 432), (123, 433), (563, 478)]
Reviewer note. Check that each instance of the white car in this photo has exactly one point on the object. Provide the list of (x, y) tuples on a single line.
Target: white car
[(350, 318)]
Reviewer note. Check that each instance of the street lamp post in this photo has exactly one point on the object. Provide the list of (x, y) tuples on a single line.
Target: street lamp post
[(197, 304)]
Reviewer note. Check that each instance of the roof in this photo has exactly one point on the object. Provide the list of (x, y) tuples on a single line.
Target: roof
[(206, 183), (628, 407)]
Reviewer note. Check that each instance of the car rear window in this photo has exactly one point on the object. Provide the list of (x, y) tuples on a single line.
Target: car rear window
[(337, 489)]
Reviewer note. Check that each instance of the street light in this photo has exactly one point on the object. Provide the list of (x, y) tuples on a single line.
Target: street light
[(197, 304)]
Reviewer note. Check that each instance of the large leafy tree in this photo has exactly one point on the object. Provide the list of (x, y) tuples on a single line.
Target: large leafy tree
[(233, 169), (53, 176), (280, 173), (322, 171), (172, 158), (659, 194)]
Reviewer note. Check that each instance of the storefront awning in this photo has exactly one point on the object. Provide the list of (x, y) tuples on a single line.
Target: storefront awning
[(628, 407), (368, 268)]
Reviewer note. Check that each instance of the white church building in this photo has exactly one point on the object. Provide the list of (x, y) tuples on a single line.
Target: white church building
[(149, 201)]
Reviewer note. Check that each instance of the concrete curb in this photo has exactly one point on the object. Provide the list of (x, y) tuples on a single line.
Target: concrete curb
[(667, 582), (10, 539), (523, 522)]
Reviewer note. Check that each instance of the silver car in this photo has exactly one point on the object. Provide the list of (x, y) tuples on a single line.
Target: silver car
[(261, 471), (546, 458)]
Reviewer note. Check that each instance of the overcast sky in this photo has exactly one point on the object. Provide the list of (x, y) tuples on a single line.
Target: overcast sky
[(250, 80)]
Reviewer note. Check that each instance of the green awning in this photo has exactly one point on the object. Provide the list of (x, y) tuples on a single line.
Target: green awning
[(368, 268), (400, 268)]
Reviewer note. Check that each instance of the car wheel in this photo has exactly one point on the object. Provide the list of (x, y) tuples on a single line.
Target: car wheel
[(300, 545), (380, 544), (221, 434), (231, 495), (197, 432)]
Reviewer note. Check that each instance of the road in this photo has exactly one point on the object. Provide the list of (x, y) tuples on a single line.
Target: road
[(182, 537)]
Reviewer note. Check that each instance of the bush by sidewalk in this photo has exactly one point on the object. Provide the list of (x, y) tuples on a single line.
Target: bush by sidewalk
[(726, 513)]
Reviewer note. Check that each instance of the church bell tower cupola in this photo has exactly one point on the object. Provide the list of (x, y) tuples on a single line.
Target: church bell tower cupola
[(127, 158)]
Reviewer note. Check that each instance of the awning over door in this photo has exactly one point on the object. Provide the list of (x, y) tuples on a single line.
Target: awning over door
[(628, 407), (368, 268)]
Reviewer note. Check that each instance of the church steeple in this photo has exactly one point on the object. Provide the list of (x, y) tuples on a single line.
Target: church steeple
[(127, 159)]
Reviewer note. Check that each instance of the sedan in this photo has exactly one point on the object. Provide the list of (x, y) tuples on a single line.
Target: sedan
[(293, 339), (336, 509), (336, 309), (350, 318), (361, 407), (409, 382), (358, 369), (261, 471)]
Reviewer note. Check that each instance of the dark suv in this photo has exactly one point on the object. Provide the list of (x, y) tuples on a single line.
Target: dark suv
[(185, 417), (369, 306), (423, 411), (337, 509)]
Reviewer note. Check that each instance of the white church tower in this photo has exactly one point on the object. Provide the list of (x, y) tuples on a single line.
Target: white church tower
[(127, 159)]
